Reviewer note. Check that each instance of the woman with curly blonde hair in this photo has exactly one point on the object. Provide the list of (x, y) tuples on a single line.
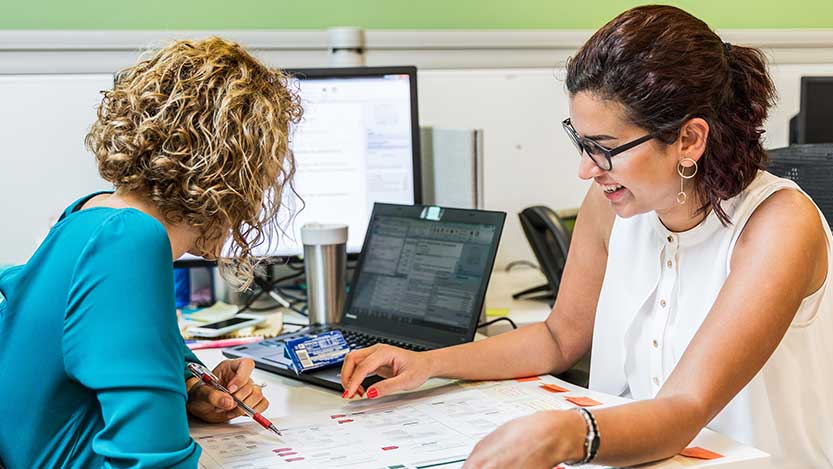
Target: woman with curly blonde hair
[(195, 140)]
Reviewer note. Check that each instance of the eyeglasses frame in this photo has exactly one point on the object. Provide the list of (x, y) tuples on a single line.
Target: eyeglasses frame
[(582, 144)]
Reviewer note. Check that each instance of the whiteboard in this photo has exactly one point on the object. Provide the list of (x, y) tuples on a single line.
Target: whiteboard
[(43, 163)]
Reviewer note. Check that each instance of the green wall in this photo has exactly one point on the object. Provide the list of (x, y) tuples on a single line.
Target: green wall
[(390, 14)]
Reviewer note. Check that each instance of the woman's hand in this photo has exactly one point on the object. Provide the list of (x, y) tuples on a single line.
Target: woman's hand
[(214, 406), (540, 440), (403, 370)]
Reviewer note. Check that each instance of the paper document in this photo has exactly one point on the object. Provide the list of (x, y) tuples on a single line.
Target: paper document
[(436, 429)]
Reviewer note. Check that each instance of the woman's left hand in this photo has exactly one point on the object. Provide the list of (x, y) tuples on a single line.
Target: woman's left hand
[(211, 405), (540, 440)]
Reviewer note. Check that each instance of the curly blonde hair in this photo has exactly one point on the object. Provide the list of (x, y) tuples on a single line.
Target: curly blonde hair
[(201, 130)]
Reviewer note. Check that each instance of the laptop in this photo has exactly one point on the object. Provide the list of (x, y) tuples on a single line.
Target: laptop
[(419, 284)]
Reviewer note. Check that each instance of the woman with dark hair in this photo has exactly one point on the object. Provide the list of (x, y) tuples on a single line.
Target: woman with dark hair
[(698, 279)]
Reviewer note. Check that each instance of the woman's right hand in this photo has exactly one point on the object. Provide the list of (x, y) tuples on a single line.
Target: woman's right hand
[(402, 369)]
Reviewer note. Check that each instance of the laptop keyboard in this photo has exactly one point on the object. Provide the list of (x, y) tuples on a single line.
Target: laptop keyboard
[(357, 340)]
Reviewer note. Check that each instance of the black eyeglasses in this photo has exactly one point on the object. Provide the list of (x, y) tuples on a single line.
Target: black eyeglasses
[(598, 153)]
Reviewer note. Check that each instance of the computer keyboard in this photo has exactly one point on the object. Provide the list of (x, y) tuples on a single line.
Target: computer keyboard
[(359, 340), (356, 340)]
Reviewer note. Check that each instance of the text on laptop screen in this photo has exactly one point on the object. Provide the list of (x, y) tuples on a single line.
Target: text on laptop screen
[(421, 273)]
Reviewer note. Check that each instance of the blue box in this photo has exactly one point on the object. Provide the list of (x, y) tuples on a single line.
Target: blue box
[(310, 353)]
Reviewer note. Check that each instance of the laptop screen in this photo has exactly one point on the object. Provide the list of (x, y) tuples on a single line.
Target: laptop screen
[(423, 272)]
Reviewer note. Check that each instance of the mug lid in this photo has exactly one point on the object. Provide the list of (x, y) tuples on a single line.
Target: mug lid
[(313, 234)]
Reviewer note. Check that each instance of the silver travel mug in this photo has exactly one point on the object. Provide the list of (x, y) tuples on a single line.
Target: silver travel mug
[(325, 263)]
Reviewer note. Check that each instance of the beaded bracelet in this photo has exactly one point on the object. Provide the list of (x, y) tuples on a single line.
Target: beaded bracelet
[(592, 441)]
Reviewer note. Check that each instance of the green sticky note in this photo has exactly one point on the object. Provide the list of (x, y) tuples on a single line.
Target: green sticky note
[(497, 312)]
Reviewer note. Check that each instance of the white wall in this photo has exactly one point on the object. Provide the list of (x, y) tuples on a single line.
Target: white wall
[(43, 163), (511, 91), (527, 157)]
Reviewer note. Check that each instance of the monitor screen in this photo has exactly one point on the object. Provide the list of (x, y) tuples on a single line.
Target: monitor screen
[(817, 110), (357, 143)]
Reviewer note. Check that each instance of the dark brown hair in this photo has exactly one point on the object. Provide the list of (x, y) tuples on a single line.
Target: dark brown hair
[(665, 67)]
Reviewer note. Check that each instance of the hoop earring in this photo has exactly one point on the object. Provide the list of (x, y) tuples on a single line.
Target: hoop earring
[(681, 196)]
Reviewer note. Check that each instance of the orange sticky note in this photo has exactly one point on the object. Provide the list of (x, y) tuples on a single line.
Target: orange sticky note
[(552, 388), (699, 453), (529, 378), (583, 401)]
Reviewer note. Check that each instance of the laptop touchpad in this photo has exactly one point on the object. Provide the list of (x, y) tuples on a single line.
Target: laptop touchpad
[(334, 374)]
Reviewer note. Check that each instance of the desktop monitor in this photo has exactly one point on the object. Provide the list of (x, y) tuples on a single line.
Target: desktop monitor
[(357, 144), (814, 122)]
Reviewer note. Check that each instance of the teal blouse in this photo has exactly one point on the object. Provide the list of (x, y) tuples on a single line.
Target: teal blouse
[(91, 359)]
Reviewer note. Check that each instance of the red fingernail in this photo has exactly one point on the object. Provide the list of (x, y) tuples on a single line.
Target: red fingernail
[(372, 393), (344, 396)]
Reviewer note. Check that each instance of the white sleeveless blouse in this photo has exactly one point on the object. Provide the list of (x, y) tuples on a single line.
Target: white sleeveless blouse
[(658, 289)]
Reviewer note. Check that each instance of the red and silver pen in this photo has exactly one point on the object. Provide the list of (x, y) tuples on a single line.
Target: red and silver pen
[(206, 376)]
